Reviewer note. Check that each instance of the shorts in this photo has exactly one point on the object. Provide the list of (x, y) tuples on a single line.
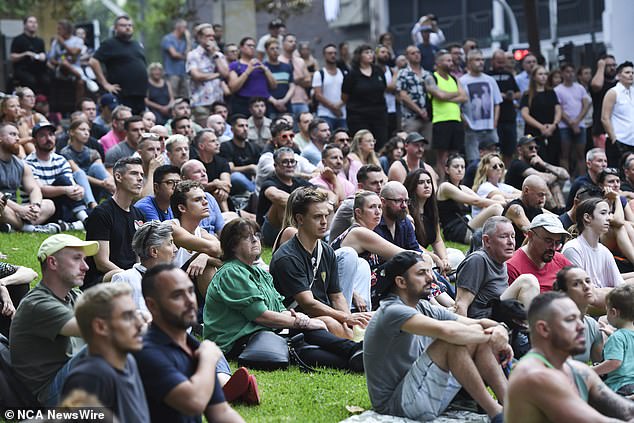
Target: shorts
[(569, 137), (507, 134), (427, 390), (448, 136)]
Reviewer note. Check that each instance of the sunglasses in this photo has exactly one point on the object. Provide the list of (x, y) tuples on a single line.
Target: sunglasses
[(498, 166)]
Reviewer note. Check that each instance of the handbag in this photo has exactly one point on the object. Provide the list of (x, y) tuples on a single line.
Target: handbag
[(265, 350)]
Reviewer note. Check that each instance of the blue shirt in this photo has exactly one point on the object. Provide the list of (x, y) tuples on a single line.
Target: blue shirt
[(163, 366), (152, 211), (215, 222), (173, 66), (404, 234)]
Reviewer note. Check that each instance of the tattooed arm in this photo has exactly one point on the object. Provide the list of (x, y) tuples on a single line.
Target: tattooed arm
[(603, 399)]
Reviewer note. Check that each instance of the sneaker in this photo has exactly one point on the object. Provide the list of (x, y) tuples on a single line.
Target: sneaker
[(64, 226), (252, 396), (49, 228), (355, 363), (5, 228), (237, 385), (91, 85)]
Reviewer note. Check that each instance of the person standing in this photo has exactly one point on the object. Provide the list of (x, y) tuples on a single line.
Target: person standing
[(363, 92), (29, 58), (124, 59), (482, 110), (603, 79), (410, 87), (327, 90), (174, 48), (617, 114)]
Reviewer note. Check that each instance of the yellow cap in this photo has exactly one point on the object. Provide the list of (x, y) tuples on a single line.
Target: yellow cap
[(54, 243)]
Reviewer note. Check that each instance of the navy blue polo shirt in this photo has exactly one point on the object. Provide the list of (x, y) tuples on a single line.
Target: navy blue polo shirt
[(163, 366), (404, 235)]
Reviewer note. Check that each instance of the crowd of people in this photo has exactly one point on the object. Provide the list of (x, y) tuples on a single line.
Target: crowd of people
[(355, 171)]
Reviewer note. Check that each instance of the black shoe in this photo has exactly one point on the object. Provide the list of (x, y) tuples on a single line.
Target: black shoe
[(5, 228), (355, 364)]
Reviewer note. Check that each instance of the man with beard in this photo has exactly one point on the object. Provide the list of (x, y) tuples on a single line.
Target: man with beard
[(117, 133), (395, 226), (319, 132), (216, 167), (447, 96), (540, 256), (415, 145), (112, 327), (482, 276), (382, 61), (259, 126), (528, 163), (242, 156), (547, 385), (331, 176), (411, 92), (415, 353), (603, 79), (523, 210), (134, 129), (327, 90), (125, 63), (28, 216), (114, 222), (174, 366), (29, 58), (56, 178)]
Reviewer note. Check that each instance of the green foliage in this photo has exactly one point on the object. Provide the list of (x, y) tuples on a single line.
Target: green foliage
[(283, 8), (60, 9)]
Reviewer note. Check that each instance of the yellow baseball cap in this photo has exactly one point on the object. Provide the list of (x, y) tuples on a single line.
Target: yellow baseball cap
[(54, 243)]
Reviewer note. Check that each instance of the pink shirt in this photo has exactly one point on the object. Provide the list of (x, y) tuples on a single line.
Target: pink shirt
[(348, 188), (110, 140)]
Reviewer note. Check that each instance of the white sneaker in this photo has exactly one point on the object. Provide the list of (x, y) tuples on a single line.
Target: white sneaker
[(91, 85), (49, 228)]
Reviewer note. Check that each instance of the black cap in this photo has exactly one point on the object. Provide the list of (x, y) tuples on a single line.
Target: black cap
[(415, 137), (487, 143), (526, 139), (41, 125), (276, 23), (396, 266)]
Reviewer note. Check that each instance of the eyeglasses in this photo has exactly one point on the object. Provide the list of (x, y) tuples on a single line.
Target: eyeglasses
[(171, 182), (288, 162), (342, 139), (556, 243), (498, 166), (287, 136), (405, 201), (532, 147)]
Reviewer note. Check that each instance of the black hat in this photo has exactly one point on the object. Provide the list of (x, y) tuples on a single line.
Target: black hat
[(396, 266), (487, 143), (41, 125), (415, 137), (526, 139)]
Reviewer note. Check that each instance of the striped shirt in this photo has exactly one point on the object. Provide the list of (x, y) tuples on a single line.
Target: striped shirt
[(46, 172)]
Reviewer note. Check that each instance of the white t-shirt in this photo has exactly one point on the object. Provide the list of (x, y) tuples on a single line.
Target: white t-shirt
[(331, 89), (485, 189), (484, 95), (597, 262)]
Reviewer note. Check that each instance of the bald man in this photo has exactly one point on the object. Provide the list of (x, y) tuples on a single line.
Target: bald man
[(218, 124), (531, 203), (395, 226)]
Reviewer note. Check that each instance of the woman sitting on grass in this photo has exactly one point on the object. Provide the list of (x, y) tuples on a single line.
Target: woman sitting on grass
[(488, 182), (391, 152), (242, 301), (362, 148), (454, 200)]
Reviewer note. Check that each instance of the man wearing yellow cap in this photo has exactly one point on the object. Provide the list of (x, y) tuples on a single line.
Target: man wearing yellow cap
[(44, 333)]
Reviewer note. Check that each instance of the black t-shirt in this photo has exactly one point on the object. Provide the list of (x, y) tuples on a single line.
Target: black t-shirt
[(506, 82), (469, 174), (109, 222), (597, 105), (515, 175), (97, 131), (125, 63), (365, 93), (216, 167), (239, 156), (264, 204), (23, 43), (292, 271), (531, 212), (542, 109), (121, 391)]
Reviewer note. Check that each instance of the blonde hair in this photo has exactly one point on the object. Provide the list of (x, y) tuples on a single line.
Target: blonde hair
[(483, 168), (97, 302), (154, 65), (372, 158), (360, 199)]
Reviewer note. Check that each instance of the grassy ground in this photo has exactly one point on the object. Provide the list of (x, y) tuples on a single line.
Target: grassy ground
[(287, 395)]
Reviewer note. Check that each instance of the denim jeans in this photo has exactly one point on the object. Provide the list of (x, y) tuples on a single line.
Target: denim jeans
[(334, 123), (240, 183)]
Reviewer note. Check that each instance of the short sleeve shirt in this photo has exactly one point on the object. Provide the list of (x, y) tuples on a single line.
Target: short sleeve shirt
[(414, 85), (83, 158), (484, 278), (389, 352), (620, 346), (292, 270), (125, 63), (542, 109), (203, 93), (163, 366), (365, 93), (264, 204), (217, 167), (515, 176), (520, 264), (173, 66), (240, 156), (484, 95), (506, 82)]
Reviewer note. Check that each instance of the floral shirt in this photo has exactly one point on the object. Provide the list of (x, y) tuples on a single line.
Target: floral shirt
[(203, 93), (408, 81)]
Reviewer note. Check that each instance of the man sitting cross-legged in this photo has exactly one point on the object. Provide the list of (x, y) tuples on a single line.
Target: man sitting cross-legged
[(547, 385), (417, 356)]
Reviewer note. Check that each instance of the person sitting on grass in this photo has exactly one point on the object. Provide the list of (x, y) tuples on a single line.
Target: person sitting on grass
[(14, 285), (157, 206), (417, 355), (242, 301), (618, 358), (304, 269), (178, 371)]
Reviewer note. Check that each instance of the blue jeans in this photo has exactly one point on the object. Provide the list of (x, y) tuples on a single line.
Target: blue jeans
[(50, 397), (98, 171), (354, 275), (569, 137), (472, 141), (82, 179), (240, 183), (298, 108), (63, 203)]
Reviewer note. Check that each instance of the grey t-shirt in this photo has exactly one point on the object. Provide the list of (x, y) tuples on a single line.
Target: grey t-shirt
[(343, 218), (389, 353), (117, 152), (484, 278), (593, 336)]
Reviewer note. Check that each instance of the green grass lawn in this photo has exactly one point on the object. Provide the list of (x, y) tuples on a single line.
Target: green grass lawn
[(287, 395)]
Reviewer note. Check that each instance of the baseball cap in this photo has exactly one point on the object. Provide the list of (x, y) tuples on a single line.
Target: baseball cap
[(526, 139), (108, 100), (41, 125), (415, 137), (549, 222), (487, 143), (55, 243), (396, 266), (276, 23)]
